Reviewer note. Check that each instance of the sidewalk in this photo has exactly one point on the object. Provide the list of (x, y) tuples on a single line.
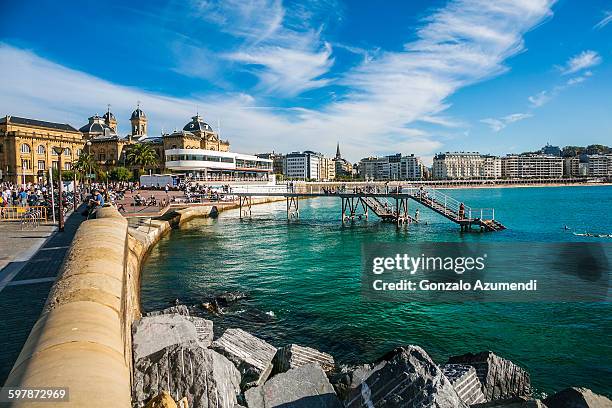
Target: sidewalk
[(25, 284)]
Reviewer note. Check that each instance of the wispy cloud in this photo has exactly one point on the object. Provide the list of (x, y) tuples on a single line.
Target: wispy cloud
[(607, 19), (584, 60), (278, 46), (378, 102), (497, 124)]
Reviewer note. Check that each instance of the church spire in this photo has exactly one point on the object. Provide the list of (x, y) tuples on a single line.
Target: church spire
[(338, 151)]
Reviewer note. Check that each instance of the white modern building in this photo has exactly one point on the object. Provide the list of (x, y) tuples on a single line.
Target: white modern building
[(599, 165), (212, 165), (303, 165), (328, 168), (532, 166)]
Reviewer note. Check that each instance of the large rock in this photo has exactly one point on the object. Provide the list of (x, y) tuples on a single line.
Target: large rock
[(161, 400), (303, 387), (405, 377), (577, 398), (465, 382), (204, 330), (349, 377), (519, 402), (153, 333), (500, 378), (204, 377), (293, 356), (179, 309), (251, 355)]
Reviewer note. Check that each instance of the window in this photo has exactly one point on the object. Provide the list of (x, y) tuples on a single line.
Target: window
[(55, 165), (102, 157), (67, 151), (26, 164), (25, 148), (41, 149), (41, 165), (53, 152), (67, 166), (79, 152)]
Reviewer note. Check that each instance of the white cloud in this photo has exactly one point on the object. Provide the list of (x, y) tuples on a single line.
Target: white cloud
[(540, 99), (465, 42), (498, 124), (586, 59), (287, 56), (604, 21)]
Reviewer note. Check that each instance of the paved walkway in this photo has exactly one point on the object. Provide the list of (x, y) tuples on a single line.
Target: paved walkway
[(25, 285)]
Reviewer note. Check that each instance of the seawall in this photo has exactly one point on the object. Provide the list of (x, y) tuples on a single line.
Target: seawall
[(82, 340)]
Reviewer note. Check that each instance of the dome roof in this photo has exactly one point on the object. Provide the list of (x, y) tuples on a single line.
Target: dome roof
[(109, 116), (197, 124), (138, 113), (96, 126)]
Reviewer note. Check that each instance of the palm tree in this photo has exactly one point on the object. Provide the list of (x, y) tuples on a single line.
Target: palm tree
[(86, 164), (141, 154)]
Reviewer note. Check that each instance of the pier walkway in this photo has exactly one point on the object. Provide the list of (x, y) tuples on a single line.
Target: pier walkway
[(24, 287), (389, 204)]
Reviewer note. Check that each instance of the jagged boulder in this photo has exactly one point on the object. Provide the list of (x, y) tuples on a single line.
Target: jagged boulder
[(206, 378), (405, 377), (303, 387), (500, 378), (161, 400), (465, 382), (575, 397), (153, 333), (178, 309), (349, 377), (250, 354), (293, 356)]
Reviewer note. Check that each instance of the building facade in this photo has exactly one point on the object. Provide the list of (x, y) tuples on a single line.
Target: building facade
[(466, 165), (26, 148), (328, 169), (599, 165), (214, 165), (532, 166), (303, 165), (392, 167)]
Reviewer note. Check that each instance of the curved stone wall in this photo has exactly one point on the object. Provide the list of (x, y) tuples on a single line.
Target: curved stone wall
[(82, 340)]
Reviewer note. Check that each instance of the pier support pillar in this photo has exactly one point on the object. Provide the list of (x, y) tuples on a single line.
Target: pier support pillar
[(244, 203), (293, 208)]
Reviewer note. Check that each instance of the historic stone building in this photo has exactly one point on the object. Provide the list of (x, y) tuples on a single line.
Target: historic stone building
[(26, 145), (26, 148), (110, 149)]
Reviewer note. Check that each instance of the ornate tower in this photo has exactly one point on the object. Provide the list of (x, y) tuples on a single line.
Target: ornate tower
[(109, 119), (139, 122)]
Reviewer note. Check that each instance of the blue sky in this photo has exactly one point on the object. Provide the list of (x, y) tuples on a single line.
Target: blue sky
[(399, 76)]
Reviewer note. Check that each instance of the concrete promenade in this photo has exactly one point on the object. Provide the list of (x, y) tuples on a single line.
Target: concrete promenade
[(28, 272)]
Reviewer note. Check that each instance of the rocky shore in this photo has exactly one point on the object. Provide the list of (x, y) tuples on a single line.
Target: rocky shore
[(179, 363)]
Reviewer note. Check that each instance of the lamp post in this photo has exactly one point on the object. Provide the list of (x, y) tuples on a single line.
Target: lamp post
[(59, 150), (89, 170)]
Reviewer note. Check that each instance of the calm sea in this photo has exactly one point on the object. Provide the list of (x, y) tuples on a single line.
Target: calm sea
[(303, 279)]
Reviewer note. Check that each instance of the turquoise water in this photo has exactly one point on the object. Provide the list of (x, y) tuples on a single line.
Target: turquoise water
[(303, 279)]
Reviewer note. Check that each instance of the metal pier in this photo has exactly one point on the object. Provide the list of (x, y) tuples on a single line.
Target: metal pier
[(388, 205)]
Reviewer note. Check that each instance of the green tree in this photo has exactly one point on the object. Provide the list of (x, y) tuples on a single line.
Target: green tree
[(142, 155), (120, 174), (67, 175), (86, 165)]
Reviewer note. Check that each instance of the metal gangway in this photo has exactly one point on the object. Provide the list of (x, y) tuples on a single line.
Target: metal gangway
[(358, 200)]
